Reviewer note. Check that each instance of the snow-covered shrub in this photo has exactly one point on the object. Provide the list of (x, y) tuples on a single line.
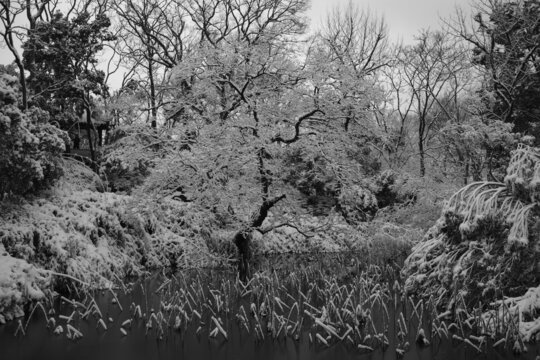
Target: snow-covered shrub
[(477, 146), (486, 244), (388, 242), (179, 236), (30, 147), (382, 187), (325, 184), (20, 282), (360, 202), (80, 234), (127, 161), (523, 175), (417, 201), (391, 188), (378, 241), (207, 234), (91, 236), (311, 175), (357, 204)]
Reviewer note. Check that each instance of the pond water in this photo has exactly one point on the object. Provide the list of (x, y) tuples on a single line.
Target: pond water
[(210, 315)]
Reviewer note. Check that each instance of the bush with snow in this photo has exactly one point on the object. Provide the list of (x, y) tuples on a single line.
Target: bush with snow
[(75, 236), (19, 283), (128, 160), (30, 147), (486, 244), (357, 204)]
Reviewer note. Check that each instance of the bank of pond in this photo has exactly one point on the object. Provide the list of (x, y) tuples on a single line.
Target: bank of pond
[(318, 306)]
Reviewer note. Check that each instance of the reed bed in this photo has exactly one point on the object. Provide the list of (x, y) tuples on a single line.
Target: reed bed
[(365, 308)]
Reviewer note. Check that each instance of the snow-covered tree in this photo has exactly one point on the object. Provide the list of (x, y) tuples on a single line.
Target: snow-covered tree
[(505, 41), (247, 103)]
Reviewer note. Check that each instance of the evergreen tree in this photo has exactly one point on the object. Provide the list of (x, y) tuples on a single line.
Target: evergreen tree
[(61, 56)]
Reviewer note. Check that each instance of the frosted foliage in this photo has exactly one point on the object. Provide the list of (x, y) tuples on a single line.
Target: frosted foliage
[(86, 238), (524, 309), (30, 147), (512, 200), (523, 174), (357, 203), (486, 245), (19, 282)]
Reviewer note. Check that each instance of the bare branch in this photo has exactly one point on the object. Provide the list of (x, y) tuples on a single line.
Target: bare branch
[(297, 127)]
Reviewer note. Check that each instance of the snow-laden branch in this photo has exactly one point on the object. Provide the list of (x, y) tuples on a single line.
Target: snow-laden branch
[(274, 227)]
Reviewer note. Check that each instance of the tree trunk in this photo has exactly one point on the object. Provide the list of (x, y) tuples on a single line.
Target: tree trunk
[(8, 37), (152, 93), (242, 239), (421, 139), (89, 127), (422, 157), (100, 136), (22, 81), (461, 159)]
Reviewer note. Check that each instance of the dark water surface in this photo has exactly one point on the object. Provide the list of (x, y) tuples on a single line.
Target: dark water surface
[(148, 343)]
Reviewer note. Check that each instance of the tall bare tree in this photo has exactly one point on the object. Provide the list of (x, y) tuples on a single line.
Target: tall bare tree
[(357, 38), (248, 21), (12, 32), (431, 68), (152, 34), (354, 45)]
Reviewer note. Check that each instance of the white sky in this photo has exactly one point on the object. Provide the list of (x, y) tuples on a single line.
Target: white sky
[(404, 18)]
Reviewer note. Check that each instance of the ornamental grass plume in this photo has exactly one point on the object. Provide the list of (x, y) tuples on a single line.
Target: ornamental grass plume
[(512, 200), (485, 245)]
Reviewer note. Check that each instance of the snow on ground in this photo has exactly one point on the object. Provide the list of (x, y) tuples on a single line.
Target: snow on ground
[(78, 233), (527, 307), (19, 283)]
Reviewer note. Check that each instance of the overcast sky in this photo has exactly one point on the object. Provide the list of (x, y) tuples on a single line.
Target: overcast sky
[(404, 18)]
